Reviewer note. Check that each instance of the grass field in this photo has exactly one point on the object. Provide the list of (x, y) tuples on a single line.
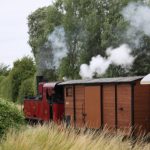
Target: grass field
[(52, 137)]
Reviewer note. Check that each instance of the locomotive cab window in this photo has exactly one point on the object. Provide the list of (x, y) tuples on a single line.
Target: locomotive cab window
[(58, 97), (69, 91), (55, 95), (49, 95)]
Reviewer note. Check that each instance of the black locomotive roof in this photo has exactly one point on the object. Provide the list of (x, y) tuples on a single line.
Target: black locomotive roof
[(103, 80)]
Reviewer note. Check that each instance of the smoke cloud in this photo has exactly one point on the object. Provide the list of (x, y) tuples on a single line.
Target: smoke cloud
[(43, 59), (57, 40), (98, 64), (51, 53), (138, 16)]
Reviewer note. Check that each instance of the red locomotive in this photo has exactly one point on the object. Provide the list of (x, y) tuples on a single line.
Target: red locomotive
[(48, 105)]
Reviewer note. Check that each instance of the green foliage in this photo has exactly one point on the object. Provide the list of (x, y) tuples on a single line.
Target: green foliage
[(50, 74), (41, 23), (67, 70), (10, 117), (4, 70), (22, 70), (26, 89), (36, 24), (9, 86), (141, 65), (6, 88), (116, 71), (2, 78)]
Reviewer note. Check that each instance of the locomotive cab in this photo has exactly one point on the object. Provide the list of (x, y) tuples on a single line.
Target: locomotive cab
[(48, 105), (55, 99), (55, 95)]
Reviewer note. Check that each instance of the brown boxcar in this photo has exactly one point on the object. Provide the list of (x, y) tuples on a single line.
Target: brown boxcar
[(118, 103)]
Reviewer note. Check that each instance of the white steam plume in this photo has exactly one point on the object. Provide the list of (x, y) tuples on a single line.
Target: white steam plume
[(58, 42), (43, 59), (98, 65), (52, 51), (138, 16), (120, 56)]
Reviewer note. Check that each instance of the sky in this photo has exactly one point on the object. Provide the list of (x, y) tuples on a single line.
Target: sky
[(14, 30)]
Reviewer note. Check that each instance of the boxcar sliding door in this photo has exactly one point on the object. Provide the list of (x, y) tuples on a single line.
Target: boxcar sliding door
[(124, 106), (92, 106), (109, 105)]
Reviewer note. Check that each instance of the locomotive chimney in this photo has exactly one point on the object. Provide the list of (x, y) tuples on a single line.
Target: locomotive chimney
[(38, 80)]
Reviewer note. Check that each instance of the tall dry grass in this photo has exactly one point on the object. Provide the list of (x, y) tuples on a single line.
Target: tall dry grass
[(52, 137)]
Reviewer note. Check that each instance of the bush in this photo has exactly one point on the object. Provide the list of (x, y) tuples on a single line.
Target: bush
[(26, 89), (10, 117)]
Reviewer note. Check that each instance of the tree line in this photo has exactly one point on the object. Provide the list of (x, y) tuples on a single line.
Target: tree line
[(90, 28)]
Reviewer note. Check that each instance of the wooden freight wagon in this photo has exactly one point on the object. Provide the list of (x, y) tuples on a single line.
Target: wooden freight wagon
[(118, 103)]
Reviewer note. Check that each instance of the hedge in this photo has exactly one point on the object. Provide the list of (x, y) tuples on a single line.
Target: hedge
[(10, 117)]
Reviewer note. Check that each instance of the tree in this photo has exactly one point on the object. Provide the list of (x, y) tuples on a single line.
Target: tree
[(36, 24), (82, 33), (26, 89), (65, 69), (116, 71), (41, 23), (141, 65), (22, 70)]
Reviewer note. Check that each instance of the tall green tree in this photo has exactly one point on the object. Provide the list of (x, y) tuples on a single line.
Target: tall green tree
[(41, 23), (37, 25), (22, 70), (82, 25), (10, 85)]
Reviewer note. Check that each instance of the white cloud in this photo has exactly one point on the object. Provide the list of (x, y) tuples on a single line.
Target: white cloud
[(13, 28)]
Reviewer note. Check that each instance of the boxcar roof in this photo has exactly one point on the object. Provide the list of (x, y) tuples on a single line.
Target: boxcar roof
[(103, 80)]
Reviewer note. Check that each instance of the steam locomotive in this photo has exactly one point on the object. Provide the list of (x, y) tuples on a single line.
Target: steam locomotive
[(48, 105)]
